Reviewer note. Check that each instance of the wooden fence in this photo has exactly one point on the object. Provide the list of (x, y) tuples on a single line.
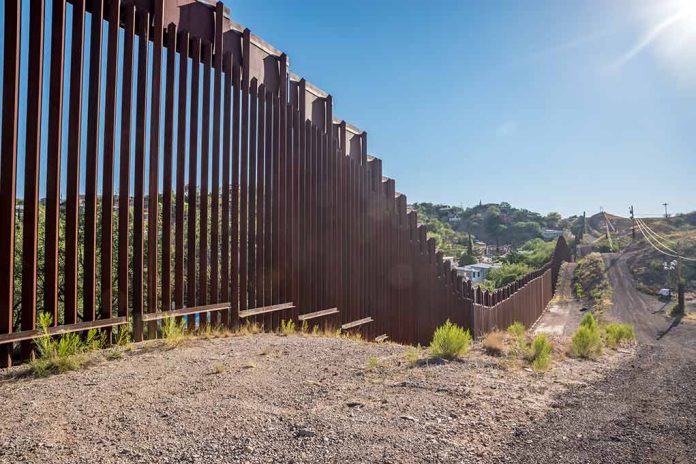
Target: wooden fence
[(191, 174)]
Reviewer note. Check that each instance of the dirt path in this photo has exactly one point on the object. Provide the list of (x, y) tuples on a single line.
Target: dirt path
[(563, 314), (644, 411)]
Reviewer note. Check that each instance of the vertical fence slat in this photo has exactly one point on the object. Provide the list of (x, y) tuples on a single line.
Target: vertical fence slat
[(92, 157), (259, 198), (8, 173), (244, 177), (124, 167), (234, 247), (53, 157), (183, 40), (31, 171), (73, 176), (192, 178), (139, 180), (214, 219), (168, 156), (107, 212), (226, 159), (153, 178), (251, 189), (203, 289)]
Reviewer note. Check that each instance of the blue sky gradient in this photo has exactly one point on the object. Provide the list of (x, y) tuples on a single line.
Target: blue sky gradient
[(526, 102), (551, 106)]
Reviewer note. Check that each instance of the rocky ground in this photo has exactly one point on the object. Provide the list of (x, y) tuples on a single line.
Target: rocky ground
[(267, 398)]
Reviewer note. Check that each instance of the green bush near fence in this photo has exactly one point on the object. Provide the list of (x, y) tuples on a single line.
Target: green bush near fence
[(450, 341)]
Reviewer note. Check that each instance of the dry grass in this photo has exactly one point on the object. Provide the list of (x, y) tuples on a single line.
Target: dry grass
[(494, 343)]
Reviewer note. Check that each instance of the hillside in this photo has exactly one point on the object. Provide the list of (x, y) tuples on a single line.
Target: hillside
[(492, 223), (645, 262)]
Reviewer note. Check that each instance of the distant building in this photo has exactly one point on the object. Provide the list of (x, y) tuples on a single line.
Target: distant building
[(551, 234), (476, 272)]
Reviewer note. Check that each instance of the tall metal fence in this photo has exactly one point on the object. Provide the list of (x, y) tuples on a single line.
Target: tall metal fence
[(158, 159)]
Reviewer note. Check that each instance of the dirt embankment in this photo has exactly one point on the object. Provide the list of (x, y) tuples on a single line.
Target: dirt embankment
[(268, 398)]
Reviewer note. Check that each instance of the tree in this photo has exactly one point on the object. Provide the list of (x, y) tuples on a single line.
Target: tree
[(552, 219), (466, 259)]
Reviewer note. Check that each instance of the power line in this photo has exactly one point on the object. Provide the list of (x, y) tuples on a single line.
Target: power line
[(647, 238), (657, 237)]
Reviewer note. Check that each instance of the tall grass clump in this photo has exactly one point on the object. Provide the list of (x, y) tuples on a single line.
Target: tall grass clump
[(287, 327), (173, 332), (517, 331), (64, 353), (540, 353), (616, 333), (449, 341)]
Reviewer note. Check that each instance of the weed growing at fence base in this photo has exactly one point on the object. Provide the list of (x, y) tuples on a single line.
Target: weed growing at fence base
[(173, 332), (618, 333), (540, 353), (287, 327), (64, 353), (450, 341)]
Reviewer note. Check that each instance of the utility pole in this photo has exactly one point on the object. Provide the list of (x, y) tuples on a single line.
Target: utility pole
[(633, 224), (665, 205)]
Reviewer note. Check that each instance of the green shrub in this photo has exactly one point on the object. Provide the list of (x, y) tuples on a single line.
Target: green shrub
[(617, 333), (540, 353), (450, 341), (587, 343), (516, 329), (579, 292), (589, 321)]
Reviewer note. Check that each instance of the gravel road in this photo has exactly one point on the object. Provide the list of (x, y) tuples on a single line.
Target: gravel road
[(643, 411), (266, 398)]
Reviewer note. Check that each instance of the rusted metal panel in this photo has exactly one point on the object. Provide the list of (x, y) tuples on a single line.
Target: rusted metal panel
[(215, 162), (107, 206), (8, 169), (73, 175), (167, 166), (92, 155), (193, 151), (53, 158), (31, 171), (125, 156), (203, 250), (153, 178), (183, 39), (139, 187)]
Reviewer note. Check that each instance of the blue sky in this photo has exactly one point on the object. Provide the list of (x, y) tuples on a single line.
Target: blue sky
[(549, 105)]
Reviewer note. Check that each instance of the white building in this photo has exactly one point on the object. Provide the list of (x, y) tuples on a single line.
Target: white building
[(476, 272)]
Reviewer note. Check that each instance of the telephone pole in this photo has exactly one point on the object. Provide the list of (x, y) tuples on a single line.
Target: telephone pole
[(665, 205), (633, 224)]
